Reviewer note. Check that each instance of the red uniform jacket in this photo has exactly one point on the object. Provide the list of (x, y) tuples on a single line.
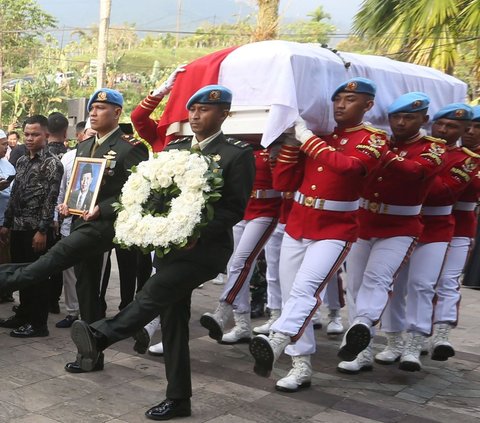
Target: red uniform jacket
[(262, 207), (332, 168), (403, 180), (460, 167), (466, 220), (145, 126)]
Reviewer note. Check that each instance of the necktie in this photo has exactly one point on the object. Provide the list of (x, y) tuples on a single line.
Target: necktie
[(95, 146)]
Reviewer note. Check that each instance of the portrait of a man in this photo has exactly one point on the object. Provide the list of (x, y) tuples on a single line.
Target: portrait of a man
[(84, 186)]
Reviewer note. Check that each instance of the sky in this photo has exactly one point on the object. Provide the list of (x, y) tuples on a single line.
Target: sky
[(161, 14)]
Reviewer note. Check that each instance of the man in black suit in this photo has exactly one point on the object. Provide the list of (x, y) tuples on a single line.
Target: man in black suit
[(169, 290), (92, 233), (81, 198)]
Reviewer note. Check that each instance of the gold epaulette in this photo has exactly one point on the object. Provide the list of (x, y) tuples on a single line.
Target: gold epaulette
[(375, 130), (470, 153), (238, 143), (433, 139)]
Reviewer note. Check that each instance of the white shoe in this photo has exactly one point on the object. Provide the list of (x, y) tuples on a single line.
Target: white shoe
[(300, 376), (355, 340), (363, 362), (335, 326), (156, 350), (265, 328), (219, 280), (442, 349), (241, 332), (266, 350), (143, 336), (215, 322), (410, 359), (394, 349)]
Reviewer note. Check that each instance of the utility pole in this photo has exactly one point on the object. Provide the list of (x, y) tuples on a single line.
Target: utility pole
[(105, 8), (179, 12)]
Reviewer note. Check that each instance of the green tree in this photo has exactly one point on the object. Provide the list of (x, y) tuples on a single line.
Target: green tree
[(21, 23), (314, 30), (420, 31)]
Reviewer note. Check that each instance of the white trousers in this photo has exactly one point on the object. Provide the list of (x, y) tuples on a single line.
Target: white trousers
[(250, 237), (448, 287), (305, 268), (425, 267), (379, 260), (272, 257)]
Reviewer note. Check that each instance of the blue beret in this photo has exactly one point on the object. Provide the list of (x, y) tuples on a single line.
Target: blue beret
[(211, 94), (455, 111), (476, 114), (409, 103), (356, 85), (106, 95)]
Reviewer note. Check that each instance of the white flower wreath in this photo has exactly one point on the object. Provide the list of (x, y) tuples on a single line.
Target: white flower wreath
[(167, 200)]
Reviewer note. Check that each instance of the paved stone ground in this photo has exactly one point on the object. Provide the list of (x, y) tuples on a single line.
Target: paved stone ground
[(34, 388)]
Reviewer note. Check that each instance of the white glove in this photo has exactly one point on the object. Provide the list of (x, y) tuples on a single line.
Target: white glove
[(302, 133), (167, 86)]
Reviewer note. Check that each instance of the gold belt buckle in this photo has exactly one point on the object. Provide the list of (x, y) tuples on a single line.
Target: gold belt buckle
[(373, 207), (309, 201)]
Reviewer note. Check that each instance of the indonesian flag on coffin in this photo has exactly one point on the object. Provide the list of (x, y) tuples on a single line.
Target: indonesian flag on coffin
[(289, 79)]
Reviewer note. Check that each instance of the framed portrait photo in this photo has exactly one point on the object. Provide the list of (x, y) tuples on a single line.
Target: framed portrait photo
[(83, 187)]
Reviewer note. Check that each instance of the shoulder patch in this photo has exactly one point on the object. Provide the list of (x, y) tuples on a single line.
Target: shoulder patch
[(375, 130), (470, 153), (437, 140), (131, 139), (238, 143), (180, 140)]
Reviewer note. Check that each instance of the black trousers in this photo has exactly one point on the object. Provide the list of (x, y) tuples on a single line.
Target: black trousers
[(134, 269), (84, 248), (34, 299), (168, 293)]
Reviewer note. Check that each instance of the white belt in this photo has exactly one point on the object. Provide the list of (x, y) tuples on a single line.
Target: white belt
[(392, 209), (322, 204), (465, 206), (437, 211), (265, 193)]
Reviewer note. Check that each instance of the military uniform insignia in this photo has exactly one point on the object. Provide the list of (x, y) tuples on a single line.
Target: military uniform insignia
[(351, 86), (459, 113), (469, 165), (216, 158), (102, 96), (376, 141), (238, 143), (214, 95), (416, 104), (436, 149)]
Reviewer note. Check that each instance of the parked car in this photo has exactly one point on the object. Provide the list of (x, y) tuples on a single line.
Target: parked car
[(10, 85)]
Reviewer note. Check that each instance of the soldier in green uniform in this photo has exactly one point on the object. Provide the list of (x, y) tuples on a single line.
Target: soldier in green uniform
[(92, 233), (168, 291)]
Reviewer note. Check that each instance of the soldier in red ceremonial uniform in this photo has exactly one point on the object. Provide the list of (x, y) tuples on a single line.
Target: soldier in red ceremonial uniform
[(334, 298), (390, 224), (445, 314), (143, 123), (327, 175), (250, 236), (421, 275)]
